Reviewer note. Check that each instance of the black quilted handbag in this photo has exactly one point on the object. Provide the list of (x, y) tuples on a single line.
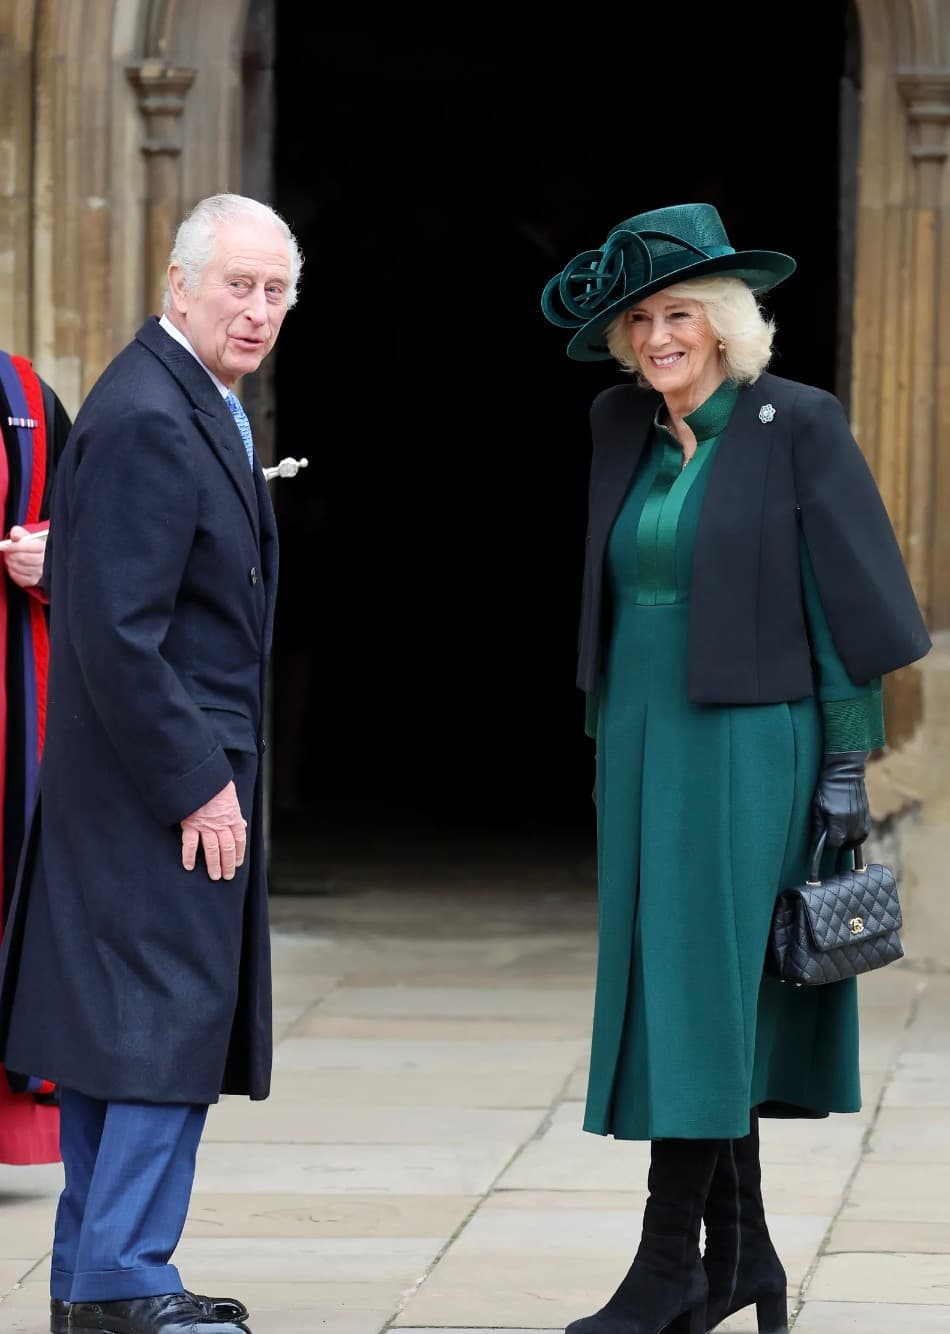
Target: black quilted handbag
[(827, 930)]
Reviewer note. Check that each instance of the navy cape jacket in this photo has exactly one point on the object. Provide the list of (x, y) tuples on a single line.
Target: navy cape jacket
[(787, 464)]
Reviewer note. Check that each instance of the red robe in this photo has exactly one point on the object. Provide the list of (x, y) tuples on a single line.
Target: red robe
[(34, 427)]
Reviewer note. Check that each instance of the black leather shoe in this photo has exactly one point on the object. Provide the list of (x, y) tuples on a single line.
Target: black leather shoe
[(217, 1308), (58, 1316), (171, 1313), (220, 1308)]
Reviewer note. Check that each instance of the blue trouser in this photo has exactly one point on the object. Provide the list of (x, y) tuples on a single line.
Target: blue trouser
[(129, 1170)]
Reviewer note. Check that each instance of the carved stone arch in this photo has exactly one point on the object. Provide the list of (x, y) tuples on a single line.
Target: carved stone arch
[(901, 402), (923, 32), (899, 389)]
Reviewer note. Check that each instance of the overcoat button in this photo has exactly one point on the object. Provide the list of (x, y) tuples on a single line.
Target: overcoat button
[(252, 575)]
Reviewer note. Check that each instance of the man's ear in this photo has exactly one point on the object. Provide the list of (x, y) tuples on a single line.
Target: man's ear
[(176, 286)]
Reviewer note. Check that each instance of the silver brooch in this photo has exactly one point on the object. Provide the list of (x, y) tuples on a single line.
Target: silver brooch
[(766, 413)]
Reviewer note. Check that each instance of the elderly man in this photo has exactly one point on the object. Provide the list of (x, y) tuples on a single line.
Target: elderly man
[(136, 964)]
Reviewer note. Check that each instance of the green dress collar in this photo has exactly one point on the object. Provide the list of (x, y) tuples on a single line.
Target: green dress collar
[(712, 416)]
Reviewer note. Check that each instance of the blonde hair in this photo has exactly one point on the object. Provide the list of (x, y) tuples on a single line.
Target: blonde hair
[(733, 314)]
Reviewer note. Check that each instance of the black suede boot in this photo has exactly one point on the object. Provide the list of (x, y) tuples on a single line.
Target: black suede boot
[(664, 1290), (741, 1264)]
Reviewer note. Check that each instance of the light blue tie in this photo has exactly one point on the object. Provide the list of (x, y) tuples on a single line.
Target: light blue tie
[(244, 426)]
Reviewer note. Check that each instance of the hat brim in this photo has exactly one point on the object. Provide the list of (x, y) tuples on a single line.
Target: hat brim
[(760, 270)]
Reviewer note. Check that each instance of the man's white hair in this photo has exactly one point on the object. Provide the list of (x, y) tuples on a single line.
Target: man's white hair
[(193, 247)]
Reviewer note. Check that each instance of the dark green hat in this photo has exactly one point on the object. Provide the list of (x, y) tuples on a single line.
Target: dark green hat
[(642, 256)]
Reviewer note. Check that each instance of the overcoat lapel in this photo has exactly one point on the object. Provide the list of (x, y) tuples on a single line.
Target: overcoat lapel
[(268, 545), (724, 588), (211, 413)]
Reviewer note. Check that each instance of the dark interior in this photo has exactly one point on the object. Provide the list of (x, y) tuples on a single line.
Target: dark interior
[(431, 555)]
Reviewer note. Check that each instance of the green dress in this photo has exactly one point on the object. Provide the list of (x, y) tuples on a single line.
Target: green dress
[(703, 815)]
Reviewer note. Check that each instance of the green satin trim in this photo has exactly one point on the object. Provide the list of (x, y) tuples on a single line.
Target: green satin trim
[(659, 520), (663, 507)]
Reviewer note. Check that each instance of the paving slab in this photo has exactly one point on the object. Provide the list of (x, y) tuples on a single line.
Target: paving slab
[(460, 1002), (24, 1225), (403, 1169), (870, 1318), (418, 1088), (299, 1123), (322, 1319), (421, 1161), (272, 1215), (13, 1272), (25, 1311), (909, 1135), (906, 1278), (901, 1191), (921, 1079), (19, 1184), (404, 1054), (223, 1261), (577, 1087), (890, 1236), (527, 1291), (316, 1022)]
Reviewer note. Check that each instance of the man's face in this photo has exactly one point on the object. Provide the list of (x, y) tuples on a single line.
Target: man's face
[(233, 317)]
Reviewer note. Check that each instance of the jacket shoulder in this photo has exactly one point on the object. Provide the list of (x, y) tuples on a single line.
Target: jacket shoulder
[(802, 399), (622, 404)]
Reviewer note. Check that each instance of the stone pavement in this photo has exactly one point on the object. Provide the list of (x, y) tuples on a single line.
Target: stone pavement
[(421, 1164)]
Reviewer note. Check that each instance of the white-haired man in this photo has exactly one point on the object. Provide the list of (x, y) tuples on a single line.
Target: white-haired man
[(135, 970)]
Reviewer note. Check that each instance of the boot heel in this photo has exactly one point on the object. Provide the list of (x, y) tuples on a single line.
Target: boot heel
[(692, 1321), (772, 1313)]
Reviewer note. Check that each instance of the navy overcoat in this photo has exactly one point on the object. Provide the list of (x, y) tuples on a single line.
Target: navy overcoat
[(121, 974)]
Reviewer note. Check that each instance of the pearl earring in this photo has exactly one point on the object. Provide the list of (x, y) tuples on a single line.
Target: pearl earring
[(721, 345)]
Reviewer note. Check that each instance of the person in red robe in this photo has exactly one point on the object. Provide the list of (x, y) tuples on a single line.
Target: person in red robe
[(34, 426)]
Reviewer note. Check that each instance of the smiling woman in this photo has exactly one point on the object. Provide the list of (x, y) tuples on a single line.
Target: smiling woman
[(734, 695), (684, 340), (677, 353)]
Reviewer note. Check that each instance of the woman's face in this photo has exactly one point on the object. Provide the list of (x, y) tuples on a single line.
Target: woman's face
[(677, 350)]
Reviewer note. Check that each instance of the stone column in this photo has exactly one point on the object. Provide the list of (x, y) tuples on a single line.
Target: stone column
[(926, 93), (16, 156), (161, 89)]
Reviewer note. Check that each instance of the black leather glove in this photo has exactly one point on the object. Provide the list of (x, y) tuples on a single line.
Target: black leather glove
[(840, 804)]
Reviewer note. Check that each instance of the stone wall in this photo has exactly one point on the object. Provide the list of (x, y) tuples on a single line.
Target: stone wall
[(117, 115)]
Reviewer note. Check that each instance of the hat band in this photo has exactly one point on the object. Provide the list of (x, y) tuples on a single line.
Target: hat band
[(596, 279)]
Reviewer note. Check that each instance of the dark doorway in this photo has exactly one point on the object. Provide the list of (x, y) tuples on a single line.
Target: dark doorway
[(431, 555)]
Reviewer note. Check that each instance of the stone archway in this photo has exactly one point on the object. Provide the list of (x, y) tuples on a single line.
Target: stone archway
[(901, 407), (115, 115), (900, 390)]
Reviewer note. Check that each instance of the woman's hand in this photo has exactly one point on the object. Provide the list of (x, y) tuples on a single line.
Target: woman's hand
[(24, 559), (840, 805)]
